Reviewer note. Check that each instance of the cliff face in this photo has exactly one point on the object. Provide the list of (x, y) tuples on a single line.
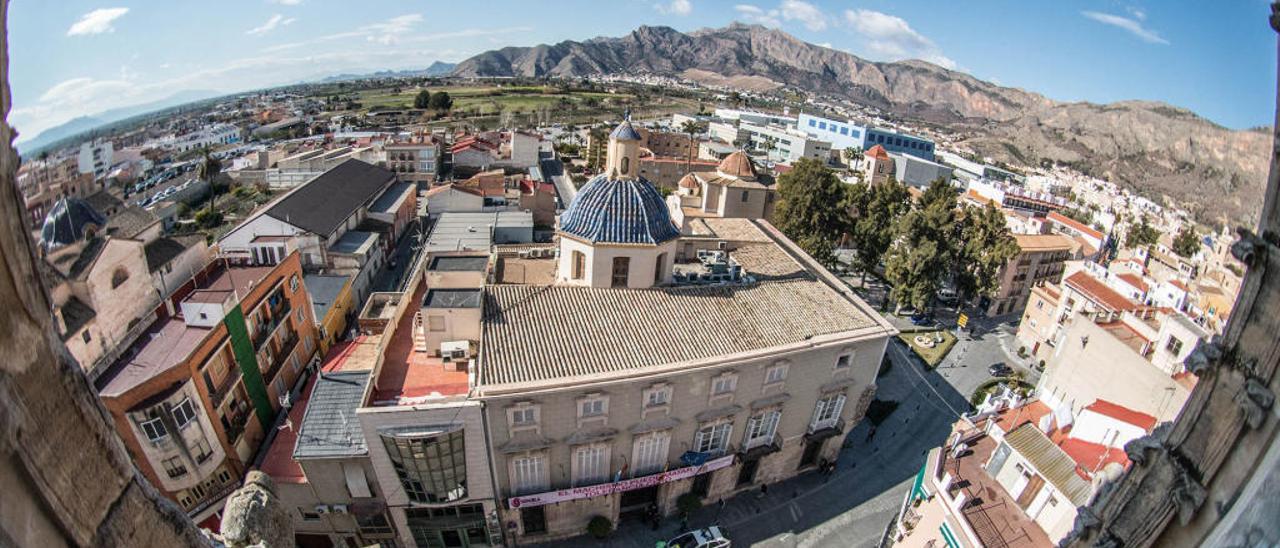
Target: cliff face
[(1153, 147)]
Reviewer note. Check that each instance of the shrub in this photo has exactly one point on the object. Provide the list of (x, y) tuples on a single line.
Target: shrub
[(599, 527), (688, 503), (1022, 351), (208, 218)]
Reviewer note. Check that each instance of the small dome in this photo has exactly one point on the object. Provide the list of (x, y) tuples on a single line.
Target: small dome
[(625, 132), (878, 152), (620, 211), (737, 164), (689, 181), (70, 221)]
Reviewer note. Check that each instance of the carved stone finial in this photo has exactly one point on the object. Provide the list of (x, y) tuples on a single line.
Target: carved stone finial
[(1137, 450), (254, 516), (1249, 248), (1188, 494), (1254, 401), (1205, 356)]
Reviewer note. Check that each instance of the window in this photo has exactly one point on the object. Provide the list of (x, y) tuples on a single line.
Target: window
[(154, 430), (528, 474), (432, 468), (827, 412), (525, 416), (85, 336), (202, 451), (658, 396), (658, 267), (1174, 346), (775, 374), (579, 265), (295, 363), (306, 343), (713, 438), (302, 316), (184, 413), (119, 276), (844, 360), (621, 267), (1039, 304), (592, 465), (746, 195), (591, 407), (724, 384), (308, 514), (293, 283), (174, 468), (760, 428), (374, 524), (650, 453), (626, 165)]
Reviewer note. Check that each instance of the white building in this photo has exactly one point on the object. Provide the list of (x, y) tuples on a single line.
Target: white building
[(96, 158)]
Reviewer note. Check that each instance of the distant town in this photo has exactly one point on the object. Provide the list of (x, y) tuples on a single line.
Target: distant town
[(510, 312)]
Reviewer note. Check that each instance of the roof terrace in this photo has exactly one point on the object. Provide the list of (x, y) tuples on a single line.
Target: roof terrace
[(409, 376)]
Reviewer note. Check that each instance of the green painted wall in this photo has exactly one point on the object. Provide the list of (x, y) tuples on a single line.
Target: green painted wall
[(242, 347)]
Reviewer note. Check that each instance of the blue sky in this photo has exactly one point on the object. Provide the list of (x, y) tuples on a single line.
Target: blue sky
[(73, 58)]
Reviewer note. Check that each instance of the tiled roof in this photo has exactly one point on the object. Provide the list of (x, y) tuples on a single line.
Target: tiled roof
[(878, 152), (322, 204), (330, 427), (534, 333), (1098, 292), (738, 165), (625, 132), (619, 211), (1092, 457), (1123, 414), (324, 290), (163, 250), (1051, 461), (1077, 225), (130, 221), (1043, 242), (75, 314), (1133, 280)]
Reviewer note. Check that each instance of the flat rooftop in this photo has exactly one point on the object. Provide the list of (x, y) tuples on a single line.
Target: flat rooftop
[(994, 515), (466, 263), (324, 290), (228, 281), (456, 231), (452, 298), (354, 241), (391, 199), (166, 345), (409, 376), (536, 333)]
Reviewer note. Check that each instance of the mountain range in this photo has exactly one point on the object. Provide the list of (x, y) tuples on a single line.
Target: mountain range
[(81, 124), (1154, 148)]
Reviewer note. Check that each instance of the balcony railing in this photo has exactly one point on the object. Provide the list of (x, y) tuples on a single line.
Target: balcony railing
[(286, 350), (220, 394), (237, 422)]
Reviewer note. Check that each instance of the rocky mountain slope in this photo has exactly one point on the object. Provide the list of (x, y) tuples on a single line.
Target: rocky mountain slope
[(1158, 149)]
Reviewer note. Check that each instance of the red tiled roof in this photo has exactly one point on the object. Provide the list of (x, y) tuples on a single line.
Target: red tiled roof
[(1031, 412), (1178, 284), (1068, 221), (1092, 457), (1133, 280), (279, 462), (1123, 414), (1098, 292), (878, 152)]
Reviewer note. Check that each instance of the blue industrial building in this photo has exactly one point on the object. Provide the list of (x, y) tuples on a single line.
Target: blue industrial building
[(845, 134)]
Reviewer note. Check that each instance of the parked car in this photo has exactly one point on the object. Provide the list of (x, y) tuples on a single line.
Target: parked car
[(922, 319), (709, 537), (999, 370)]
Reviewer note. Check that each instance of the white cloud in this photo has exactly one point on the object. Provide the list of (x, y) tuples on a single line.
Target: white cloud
[(758, 15), (97, 21), (804, 12), (891, 37), (1134, 26), (276, 20), (675, 7)]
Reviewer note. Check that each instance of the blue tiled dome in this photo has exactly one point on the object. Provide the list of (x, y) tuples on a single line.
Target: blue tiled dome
[(619, 211), (68, 222), (625, 132)]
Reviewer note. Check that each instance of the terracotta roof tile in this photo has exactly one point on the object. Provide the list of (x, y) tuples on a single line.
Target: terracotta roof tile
[(1123, 414), (1099, 293)]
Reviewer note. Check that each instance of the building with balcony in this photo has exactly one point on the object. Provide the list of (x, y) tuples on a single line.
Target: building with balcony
[(641, 364), (96, 158), (194, 396), (415, 158), (1041, 259)]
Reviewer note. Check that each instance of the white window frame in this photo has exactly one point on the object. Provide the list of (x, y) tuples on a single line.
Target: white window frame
[(776, 374), (724, 384), (713, 437), (827, 411), (146, 425), (657, 396), (590, 464), (529, 473), (599, 405), (649, 453), (761, 428), (184, 413), (514, 413)]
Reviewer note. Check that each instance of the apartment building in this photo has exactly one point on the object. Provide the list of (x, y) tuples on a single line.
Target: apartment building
[(95, 158), (784, 144), (415, 159), (710, 389), (193, 397), (1041, 260)]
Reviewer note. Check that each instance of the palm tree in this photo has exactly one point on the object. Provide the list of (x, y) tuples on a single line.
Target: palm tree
[(690, 127), (208, 170)]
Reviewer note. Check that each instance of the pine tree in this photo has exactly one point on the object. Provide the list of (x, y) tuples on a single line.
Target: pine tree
[(422, 100), (812, 202), (986, 246), (874, 211)]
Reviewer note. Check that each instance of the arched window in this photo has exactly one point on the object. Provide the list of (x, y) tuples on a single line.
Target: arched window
[(626, 165), (119, 276)]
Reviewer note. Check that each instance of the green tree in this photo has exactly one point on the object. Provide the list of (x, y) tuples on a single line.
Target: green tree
[(812, 203), (441, 101), (925, 243), (690, 128), (1187, 242), (852, 155), (986, 246), (208, 170), (422, 100), (1141, 234), (874, 210)]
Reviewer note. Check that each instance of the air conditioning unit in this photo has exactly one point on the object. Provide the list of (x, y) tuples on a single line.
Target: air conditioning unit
[(339, 508), (322, 509)]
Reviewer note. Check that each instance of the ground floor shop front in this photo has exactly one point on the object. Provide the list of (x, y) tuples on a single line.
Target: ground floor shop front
[(565, 513), (468, 525)]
